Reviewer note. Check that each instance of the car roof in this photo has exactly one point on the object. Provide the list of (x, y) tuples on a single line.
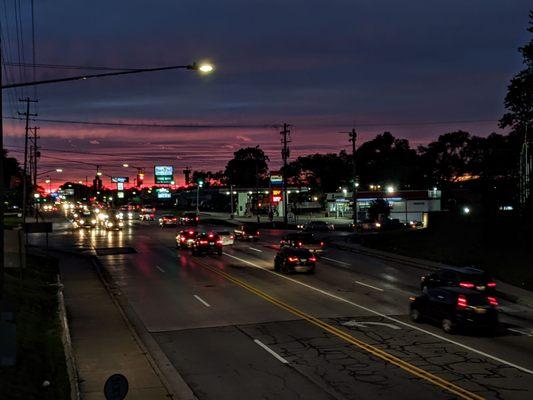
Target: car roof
[(464, 270), (297, 251)]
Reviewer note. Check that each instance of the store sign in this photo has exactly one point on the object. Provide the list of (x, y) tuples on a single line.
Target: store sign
[(276, 196), (276, 180), (120, 179), (163, 193), (163, 174), (120, 186), (120, 195)]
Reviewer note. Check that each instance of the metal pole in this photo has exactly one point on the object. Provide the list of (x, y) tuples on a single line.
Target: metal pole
[(231, 200), (353, 138), (2, 188), (197, 199)]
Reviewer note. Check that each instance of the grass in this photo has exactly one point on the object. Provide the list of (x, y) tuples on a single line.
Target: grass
[(40, 353), (499, 246)]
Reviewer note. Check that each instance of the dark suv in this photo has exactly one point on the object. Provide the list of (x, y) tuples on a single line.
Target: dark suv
[(247, 232), (455, 308), (467, 277), (295, 259), (207, 243), (302, 239)]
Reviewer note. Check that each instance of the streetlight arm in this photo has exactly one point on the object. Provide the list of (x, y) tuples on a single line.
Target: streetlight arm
[(193, 67)]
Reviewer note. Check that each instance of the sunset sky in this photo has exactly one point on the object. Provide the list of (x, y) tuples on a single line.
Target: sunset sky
[(415, 68)]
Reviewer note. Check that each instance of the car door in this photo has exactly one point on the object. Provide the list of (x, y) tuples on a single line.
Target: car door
[(437, 304)]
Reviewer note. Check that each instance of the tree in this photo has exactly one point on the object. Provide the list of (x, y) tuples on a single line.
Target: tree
[(247, 164), (208, 178), (519, 98), (378, 209)]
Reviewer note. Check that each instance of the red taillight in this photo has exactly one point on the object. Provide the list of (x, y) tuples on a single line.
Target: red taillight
[(312, 259), (491, 284), (257, 233), (232, 237), (203, 242), (299, 244), (492, 301), (182, 239), (321, 244), (293, 259), (468, 285), (191, 232), (219, 241), (210, 235), (462, 302), (281, 241), (197, 219)]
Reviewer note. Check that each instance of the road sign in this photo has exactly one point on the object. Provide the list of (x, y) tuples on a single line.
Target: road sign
[(116, 387), (163, 193), (120, 179), (163, 174), (120, 186)]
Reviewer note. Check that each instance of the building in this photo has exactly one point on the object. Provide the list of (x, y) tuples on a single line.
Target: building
[(406, 205)]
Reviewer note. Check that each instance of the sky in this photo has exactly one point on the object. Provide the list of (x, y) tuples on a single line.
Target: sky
[(415, 68)]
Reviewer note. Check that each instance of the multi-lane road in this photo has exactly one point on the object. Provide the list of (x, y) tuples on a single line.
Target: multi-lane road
[(235, 329)]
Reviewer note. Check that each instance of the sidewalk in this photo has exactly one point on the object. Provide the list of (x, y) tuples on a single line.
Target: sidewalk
[(509, 292), (300, 219), (102, 342)]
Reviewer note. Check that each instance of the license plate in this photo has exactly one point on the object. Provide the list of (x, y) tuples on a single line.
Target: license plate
[(211, 244), (303, 260), (480, 287)]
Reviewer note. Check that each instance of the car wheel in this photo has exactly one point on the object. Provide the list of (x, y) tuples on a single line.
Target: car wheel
[(448, 326), (415, 315)]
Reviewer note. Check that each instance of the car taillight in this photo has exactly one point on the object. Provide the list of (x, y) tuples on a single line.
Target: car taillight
[(231, 237), (219, 241), (468, 285), (197, 218), (462, 302), (203, 242), (293, 259), (257, 233), (210, 235), (191, 232), (182, 239), (492, 301), (321, 244), (281, 241), (299, 244), (312, 259), (491, 284)]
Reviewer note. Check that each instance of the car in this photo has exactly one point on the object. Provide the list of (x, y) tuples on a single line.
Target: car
[(302, 239), (454, 308), (147, 214), (113, 223), (85, 219), (227, 237), (317, 226), (189, 218), (247, 232), (207, 243), (185, 239), (168, 220), (465, 277), (295, 259)]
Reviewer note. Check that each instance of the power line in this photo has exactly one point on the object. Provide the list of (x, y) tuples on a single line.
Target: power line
[(75, 67)]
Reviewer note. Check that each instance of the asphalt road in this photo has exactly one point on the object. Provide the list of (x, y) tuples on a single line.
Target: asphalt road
[(235, 329)]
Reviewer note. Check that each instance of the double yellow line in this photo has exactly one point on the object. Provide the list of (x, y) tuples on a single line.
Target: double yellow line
[(412, 369)]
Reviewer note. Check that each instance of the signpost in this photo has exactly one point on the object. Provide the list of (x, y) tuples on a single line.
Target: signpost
[(120, 179), (116, 387), (163, 174), (163, 193)]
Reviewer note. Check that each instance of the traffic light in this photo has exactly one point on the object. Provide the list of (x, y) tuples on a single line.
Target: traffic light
[(140, 179), (200, 182)]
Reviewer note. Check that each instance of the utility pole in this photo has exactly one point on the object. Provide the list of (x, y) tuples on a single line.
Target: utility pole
[(33, 166), (353, 138), (257, 192), (285, 152), (27, 100), (2, 188)]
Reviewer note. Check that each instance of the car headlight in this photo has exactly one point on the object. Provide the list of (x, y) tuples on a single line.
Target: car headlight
[(130, 215), (82, 221), (120, 224), (109, 224), (93, 221)]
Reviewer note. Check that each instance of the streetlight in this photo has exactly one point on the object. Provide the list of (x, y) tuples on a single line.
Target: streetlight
[(390, 189), (198, 186)]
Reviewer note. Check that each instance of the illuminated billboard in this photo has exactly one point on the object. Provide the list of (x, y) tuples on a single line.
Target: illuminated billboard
[(163, 174)]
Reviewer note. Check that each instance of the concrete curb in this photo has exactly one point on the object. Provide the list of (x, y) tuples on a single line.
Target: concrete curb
[(67, 344), (171, 379)]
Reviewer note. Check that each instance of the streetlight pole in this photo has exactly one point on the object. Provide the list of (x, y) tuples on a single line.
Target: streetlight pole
[(198, 186), (204, 68), (231, 200)]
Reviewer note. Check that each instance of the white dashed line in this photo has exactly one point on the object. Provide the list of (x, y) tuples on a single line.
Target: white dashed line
[(159, 268), (335, 261), (264, 346), (205, 303), (254, 249), (387, 317), (370, 286)]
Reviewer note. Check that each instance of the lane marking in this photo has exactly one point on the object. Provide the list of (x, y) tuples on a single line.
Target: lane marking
[(253, 248), (364, 324), (370, 286), (205, 303), (464, 346), (159, 268), (335, 261), (520, 332), (377, 352), (276, 355)]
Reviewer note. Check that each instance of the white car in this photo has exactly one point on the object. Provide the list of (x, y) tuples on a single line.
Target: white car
[(227, 237)]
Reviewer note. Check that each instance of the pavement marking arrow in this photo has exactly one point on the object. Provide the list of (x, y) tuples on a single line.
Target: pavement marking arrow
[(366, 323)]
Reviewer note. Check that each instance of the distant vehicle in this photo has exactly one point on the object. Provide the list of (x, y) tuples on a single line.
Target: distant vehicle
[(302, 239), (455, 308), (85, 219), (416, 224), (147, 214), (227, 237), (317, 226), (391, 224), (189, 218), (114, 222), (294, 259), (207, 243), (368, 225), (465, 277), (185, 239), (168, 220), (247, 232)]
